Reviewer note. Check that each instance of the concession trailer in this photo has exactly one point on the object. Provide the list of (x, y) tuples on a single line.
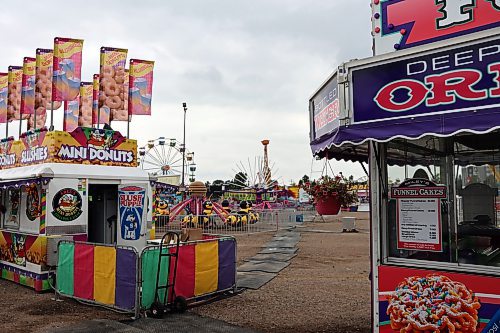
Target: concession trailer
[(424, 115)]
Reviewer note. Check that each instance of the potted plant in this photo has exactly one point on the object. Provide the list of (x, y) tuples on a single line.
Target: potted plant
[(330, 194)]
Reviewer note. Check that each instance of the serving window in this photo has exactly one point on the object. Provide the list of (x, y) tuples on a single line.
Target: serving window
[(439, 201)]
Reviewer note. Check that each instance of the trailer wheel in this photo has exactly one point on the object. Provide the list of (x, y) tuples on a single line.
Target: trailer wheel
[(156, 310), (180, 304)]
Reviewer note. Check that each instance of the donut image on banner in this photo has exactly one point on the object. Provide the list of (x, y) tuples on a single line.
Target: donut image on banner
[(131, 208)]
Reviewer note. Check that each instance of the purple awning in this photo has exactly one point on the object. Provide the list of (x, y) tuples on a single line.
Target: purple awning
[(442, 125)]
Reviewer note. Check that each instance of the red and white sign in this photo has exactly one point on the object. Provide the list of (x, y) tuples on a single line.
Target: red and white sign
[(401, 24)]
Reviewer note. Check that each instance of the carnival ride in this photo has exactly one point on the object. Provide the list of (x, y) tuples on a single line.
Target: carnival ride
[(200, 211), (164, 157)]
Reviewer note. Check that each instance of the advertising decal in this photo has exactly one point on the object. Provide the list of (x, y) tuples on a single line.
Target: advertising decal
[(131, 205), (67, 205)]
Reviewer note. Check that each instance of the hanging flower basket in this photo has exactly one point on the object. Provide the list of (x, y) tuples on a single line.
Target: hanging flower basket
[(331, 193), (329, 205)]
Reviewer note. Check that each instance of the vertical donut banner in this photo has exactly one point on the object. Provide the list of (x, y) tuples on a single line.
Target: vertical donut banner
[(43, 88), (86, 102), (4, 87), (28, 86), (27, 89), (71, 114), (67, 66), (140, 87), (111, 80), (14, 94), (95, 99)]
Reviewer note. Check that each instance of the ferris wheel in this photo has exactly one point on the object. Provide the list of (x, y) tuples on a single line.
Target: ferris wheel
[(164, 157)]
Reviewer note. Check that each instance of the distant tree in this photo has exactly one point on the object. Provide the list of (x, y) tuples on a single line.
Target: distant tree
[(218, 182), (305, 179)]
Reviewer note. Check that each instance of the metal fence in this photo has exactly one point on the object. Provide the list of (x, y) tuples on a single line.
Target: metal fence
[(255, 221)]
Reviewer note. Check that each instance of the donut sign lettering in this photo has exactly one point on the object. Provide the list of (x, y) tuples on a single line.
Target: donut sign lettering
[(401, 24), (463, 79), (131, 201)]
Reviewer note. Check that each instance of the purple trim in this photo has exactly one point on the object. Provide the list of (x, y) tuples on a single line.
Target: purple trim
[(412, 128)]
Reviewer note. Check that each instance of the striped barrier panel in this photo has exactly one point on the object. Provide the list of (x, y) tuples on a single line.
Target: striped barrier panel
[(106, 275)]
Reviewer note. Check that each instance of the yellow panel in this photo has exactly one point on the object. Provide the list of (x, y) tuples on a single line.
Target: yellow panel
[(104, 274), (206, 268)]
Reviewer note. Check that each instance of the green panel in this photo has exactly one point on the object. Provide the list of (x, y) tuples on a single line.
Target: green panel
[(22, 279), (45, 284), (4, 273), (65, 267), (149, 271)]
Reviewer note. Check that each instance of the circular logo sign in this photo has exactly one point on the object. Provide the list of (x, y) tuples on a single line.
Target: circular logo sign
[(67, 205)]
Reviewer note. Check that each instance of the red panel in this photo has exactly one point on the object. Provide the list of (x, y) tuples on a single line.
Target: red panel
[(38, 285), (184, 283), (16, 278), (84, 271)]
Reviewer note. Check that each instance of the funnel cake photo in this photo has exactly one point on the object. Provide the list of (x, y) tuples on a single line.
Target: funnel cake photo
[(434, 304)]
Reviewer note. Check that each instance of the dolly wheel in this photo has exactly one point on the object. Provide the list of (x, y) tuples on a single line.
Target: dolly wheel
[(180, 304), (156, 310)]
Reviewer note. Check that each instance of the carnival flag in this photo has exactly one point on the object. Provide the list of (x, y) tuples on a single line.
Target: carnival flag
[(28, 86), (71, 112), (111, 80), (95, 99), (122, 113), (86, 101), (4, 84), (67, 68), (140, 87), (14, 92)]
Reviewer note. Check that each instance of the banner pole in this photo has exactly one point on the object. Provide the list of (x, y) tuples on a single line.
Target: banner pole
[(20, 123), (98, 115), (51, 128), (7, 129), (34, 119), (128, 126)]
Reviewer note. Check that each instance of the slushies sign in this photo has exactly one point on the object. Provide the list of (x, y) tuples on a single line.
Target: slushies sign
[(324, 108), (460, 79), (401, 24)]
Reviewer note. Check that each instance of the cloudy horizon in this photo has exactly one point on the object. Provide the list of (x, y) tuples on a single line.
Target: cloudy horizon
[(246, 70)]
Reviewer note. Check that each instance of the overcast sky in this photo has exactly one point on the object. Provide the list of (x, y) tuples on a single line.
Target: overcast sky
[(245, 68)]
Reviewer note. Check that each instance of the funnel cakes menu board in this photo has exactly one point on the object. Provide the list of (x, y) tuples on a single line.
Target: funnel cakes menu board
[(418, 215)]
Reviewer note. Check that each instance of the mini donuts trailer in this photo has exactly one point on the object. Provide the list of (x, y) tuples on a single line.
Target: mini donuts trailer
[(430, 116), (70, 200)]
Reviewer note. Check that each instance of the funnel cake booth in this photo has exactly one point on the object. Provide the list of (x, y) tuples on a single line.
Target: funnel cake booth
[(428, 126), (59, 185)]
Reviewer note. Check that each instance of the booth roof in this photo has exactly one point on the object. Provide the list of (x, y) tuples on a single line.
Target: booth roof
[(350, 142), (63, 170)]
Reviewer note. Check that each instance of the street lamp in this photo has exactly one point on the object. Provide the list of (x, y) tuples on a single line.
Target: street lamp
[(183, 148)]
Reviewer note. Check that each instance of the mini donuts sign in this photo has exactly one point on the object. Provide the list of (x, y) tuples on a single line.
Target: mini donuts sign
[(460, 79), (131, 201)]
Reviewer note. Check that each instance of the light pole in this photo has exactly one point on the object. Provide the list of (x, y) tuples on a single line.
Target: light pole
[(183, 149)]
